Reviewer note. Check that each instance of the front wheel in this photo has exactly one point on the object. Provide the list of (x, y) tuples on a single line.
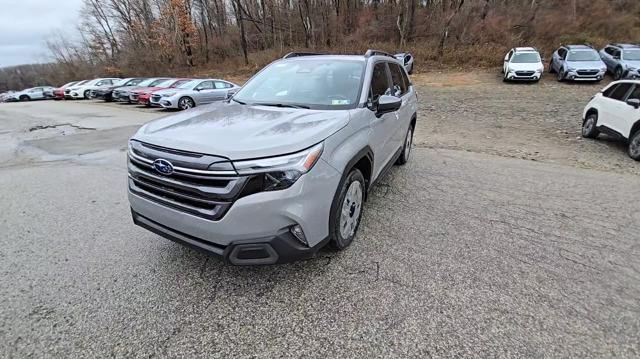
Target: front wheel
[(186, 103), (634, 146), (87, 94), (560, 75), (589, 126), (25, 98), (618, 74), (406, 149), (346, 210)]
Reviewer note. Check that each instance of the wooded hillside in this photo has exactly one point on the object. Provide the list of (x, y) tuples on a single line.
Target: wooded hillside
[(218, 37)]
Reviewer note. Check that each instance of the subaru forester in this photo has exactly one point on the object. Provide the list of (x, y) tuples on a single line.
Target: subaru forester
[(283, 167)]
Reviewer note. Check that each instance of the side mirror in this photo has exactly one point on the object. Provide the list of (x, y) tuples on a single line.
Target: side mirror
[(634, 102), (197, 89), (616, 57), (387, 104)]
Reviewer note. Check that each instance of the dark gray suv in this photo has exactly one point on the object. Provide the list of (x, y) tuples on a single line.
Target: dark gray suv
[(283, 167)]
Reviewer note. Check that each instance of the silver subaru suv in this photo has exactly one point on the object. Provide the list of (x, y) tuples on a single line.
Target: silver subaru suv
[(282, 168)]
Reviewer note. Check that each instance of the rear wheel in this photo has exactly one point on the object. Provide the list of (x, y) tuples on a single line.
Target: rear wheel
[(406, 150), (551, 70), (634, 146), (346, 210), (589, 126), (185, 103)]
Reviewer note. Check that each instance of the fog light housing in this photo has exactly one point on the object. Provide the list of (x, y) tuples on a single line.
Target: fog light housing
[(299, 234)]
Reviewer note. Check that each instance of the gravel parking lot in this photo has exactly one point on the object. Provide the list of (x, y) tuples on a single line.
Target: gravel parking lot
[(506, 235)]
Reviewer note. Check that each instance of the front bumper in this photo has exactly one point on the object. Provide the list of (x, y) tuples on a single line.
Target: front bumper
[(278, 249), (254, 221), (633, 74), (581, 75), (169, 102), (524, 76)]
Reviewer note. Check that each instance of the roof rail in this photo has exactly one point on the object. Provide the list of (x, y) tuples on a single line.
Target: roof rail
[(299, 54), (372, 52)]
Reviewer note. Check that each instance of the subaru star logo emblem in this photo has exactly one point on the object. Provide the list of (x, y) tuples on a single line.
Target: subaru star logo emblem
[(163, 166)]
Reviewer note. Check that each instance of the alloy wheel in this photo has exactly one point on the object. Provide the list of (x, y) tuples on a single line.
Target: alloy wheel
[(587, 128), (351, 209)]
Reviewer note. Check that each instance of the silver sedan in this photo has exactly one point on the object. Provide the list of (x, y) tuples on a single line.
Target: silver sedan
[(194, 93)]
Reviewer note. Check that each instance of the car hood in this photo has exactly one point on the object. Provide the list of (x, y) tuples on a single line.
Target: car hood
[(240, 131), (526, 66), (586, 64), (634, 64)]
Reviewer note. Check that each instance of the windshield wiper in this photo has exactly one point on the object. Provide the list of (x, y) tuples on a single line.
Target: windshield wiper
[(240, 102), (281, 105)]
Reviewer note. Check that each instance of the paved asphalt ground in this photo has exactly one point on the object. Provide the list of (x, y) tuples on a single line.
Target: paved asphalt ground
[(460, 254)]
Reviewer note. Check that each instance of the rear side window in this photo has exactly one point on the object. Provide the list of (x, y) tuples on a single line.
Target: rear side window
[(620, 92), (399, 85), (379, 82)]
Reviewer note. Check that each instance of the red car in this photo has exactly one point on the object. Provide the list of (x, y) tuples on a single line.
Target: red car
[(58, 94), (143, 95)]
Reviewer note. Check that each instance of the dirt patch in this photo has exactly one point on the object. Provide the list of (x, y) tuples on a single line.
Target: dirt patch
[(477, 112)]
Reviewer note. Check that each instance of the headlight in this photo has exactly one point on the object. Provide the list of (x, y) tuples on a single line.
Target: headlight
[(168, 94), (603, 69), (276, 173), (631, 68)]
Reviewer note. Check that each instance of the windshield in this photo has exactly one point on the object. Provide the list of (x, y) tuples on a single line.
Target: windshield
[(314, 83), (81, 82), (156, 82), (165, 83), (631, 55), (189, 84), (146, 82), (583, 55), (179, 83), (526, 58), (69, 84)]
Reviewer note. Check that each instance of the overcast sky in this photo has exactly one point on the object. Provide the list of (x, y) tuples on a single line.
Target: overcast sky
[(25, 25)]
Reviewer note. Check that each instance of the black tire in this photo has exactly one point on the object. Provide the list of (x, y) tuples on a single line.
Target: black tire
[(634, 146), (406, 148), (25, 98), (185, 103), (590, 126), (551, 70), (618, 74), (337, 239), (560, 76), (86, 94)]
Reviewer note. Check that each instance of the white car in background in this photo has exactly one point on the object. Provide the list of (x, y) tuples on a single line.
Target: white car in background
[(523, 64), (34, 93), (194, 93), (615, 111), (83, 91)]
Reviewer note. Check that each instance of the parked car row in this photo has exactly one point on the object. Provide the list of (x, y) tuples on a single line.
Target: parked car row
[(173, 93), (574, 63)]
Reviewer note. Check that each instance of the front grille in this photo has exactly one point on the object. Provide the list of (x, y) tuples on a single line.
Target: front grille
[(587, 72), (133, 97), (155, 98), (191, 188), (524, 73), (67, 91)]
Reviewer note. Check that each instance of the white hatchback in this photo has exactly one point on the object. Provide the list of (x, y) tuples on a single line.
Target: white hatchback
[(615, 111)]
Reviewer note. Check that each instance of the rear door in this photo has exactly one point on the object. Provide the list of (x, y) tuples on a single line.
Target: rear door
[(401, 90), (221, 89)]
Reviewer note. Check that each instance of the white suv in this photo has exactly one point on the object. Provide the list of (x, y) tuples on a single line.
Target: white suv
[(524, 64), (615, 111)]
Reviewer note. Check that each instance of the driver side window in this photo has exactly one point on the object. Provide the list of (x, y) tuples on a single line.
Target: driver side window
[(562, 53), (205, 85), (379, 82)]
